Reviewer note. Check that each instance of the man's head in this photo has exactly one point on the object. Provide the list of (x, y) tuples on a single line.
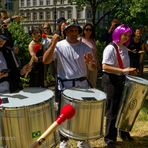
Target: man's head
[(72, 30)]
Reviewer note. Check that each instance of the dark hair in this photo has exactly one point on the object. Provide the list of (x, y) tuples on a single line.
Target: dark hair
[(93, 32), (35, 30), (61, 19)]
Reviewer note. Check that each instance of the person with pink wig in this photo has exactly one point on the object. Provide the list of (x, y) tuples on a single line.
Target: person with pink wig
[(115, 66)]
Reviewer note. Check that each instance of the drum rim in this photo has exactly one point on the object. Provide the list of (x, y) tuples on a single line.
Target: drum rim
[(21, 105), (137, 79), (78, 100)]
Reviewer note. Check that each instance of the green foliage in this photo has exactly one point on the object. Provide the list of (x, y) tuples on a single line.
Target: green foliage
[(143, 115), (22, 40)]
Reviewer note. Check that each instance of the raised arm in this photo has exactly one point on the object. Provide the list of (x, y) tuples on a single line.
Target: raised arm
[(48, 55)]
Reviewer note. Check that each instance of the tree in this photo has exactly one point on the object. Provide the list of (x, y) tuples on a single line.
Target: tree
[(21, 39), (126, 10)]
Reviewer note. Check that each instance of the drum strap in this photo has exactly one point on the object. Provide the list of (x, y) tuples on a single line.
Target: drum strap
[(3, 79), (72, 80), (118, 55)]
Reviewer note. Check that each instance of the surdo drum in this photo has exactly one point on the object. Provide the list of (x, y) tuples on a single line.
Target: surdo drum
[(134, 94), (25, 116), (87, 123)]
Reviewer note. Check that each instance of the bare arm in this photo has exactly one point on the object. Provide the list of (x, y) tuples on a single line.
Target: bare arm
[(48, 55), (117, 70)]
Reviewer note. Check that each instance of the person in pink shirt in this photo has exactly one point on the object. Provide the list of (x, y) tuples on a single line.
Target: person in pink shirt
[(88, 37)]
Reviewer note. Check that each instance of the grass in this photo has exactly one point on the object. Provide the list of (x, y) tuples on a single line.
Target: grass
[(143, 115)]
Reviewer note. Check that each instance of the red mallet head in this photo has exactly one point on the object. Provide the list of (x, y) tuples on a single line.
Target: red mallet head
[(43, 35), (67, 112), (1, 100)]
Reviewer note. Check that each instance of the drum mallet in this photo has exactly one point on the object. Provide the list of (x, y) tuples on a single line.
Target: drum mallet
[(67, 112)]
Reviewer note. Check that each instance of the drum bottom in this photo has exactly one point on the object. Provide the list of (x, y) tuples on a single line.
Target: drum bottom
[(80, 136)]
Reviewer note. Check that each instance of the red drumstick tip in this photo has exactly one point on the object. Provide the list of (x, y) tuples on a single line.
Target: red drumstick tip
[(43, 35), (67, 112), (1, 101)]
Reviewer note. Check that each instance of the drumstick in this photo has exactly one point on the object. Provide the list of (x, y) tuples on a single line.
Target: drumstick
[(30, 63), (67, 112)]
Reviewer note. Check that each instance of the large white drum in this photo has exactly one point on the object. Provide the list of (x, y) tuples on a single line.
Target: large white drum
[(87, 123), (25, 116), (134, 94)]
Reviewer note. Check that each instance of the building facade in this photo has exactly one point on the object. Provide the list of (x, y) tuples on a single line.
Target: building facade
[(37, 12), (12, 6)]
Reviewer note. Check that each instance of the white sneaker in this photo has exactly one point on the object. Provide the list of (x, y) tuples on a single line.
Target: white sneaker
[(83, 144), (63, 144)]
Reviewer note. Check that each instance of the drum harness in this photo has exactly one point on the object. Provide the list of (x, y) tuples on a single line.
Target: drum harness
[(73, 81)]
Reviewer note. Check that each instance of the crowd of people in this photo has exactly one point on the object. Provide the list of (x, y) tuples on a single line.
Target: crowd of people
[(72, 51)]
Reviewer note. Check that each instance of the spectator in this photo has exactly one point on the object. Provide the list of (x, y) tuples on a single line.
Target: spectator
[(107, 36), (47, 30), (88, 37), (36, 50), (136, 51), (60, 21), (10, 71)]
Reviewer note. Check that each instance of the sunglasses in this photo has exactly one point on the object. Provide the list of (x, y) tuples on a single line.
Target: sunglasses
[(88, 29), (46, 28)]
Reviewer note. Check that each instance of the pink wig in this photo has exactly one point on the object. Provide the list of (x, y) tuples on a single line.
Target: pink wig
[(116, 36)]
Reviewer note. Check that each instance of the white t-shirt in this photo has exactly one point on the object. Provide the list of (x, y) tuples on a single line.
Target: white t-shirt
[(70, 61), (4, 86), (110, 56)]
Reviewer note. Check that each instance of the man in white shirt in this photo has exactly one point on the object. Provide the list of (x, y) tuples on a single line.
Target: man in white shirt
[(72, 57)]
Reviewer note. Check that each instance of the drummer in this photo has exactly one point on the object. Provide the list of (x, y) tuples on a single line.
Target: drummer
[(9, 68), (72, 58), (116, 65)]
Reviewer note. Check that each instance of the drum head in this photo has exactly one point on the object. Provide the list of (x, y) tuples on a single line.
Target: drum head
[(84, 94), (26, 97), (137, 79)]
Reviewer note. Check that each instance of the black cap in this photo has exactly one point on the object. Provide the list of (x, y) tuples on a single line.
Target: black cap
[(61, 19)]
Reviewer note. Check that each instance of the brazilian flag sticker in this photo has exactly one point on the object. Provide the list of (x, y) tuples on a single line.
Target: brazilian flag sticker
[(36, 134)]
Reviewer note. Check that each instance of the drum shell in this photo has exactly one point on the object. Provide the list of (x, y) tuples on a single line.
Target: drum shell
[(134, 94), (88, 121), (23, 125)]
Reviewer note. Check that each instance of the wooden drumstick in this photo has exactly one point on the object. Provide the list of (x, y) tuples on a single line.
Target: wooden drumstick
[(30, 64), (67, 112)]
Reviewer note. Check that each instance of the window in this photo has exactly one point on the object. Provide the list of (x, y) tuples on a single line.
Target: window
[(34, 2), (62, 13), (22, 3), (88, 14), (28, 2), (48, 16), (41, 16), (28, 16), (41, 3), (9, 5), (79, 14), (34, 16), (69, 14), (48, 2), (62, 1)]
